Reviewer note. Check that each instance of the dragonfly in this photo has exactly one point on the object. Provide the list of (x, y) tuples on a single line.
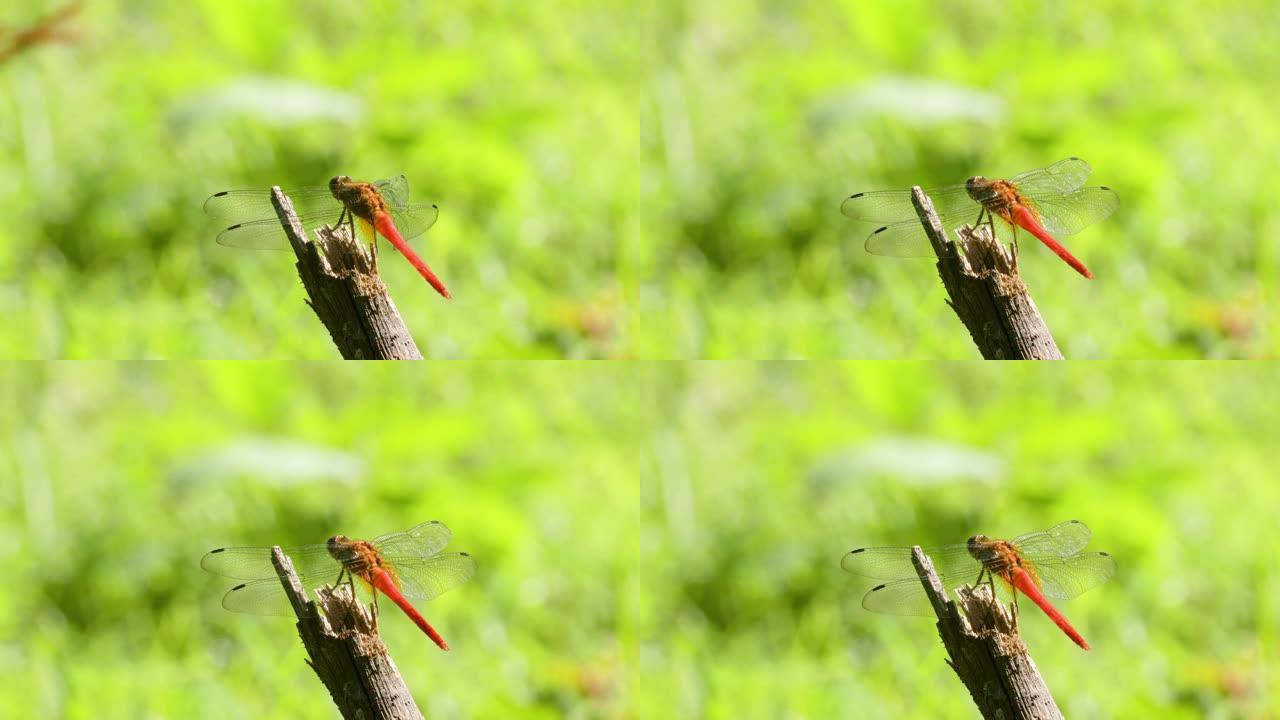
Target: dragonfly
[(1040, 565), (383, 208), (1048, 202), (400, 565)]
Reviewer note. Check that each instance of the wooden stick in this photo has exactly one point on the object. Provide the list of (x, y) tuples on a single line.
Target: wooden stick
[(985, 290), (985, 650), (345, 650), (45, 31), (345, 291)]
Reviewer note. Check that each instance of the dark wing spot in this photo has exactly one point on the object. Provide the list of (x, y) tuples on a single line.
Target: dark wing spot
[(878, 587), (239, 587)]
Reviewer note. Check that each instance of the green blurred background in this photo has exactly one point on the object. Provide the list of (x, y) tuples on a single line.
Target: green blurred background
[(653, 540), (618, 180)]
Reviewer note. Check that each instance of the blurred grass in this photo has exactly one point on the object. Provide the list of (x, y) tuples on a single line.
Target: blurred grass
[(653, 540), (622, 181)]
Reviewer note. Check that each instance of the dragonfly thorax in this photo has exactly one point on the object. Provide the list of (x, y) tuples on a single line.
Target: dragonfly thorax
[(983, 191), (982, 549), (342, 549)]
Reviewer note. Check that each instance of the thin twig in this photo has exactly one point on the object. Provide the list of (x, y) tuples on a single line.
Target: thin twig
[(985, 291), (985, 650), (345, 291), (44, 31), (345, 651)]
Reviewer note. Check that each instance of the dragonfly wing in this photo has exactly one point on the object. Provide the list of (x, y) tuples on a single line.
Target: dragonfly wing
[(1070, 213), (894, 563), (896, 206), (268, 233), (413, 220), (420, 541), (1069, 577), (1059, 178), (259, 597), (907, 597), (1062, 540), (267, 596), (901, 239), (233, 206), (394, 190), (900, 597), (253, 563), (428, 578)]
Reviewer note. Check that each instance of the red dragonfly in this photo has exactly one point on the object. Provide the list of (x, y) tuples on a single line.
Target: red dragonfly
[(1040, 565), (1046, 202), (382, 208), (400, 565)]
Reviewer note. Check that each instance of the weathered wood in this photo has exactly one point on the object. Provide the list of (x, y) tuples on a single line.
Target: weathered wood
[(345, 650), (344, 290), (985, 291), (985, 650)]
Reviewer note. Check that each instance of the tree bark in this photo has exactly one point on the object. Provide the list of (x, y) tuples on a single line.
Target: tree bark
[(344, 290), (346, 652), (986, 652), (985, 290)]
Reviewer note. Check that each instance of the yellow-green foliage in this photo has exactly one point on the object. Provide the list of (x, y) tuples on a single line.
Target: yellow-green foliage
[(638, 180), (652, 540)]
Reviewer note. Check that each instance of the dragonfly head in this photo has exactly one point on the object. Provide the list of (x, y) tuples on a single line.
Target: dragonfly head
[(338, 544), (978, 545), (338, 181)]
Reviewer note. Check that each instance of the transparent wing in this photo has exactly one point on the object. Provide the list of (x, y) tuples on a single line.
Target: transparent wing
[(268, 234), (413, 220), (252, 563), (894, 563), (1060, 541), (1070, 213), (895, 205), (908, 239), (901, 239), (259, 597), (428, 578), (267, 597), (1062, 177), (907, 597), (422, 540), (247, 219), (394, 190), (237, 206), (1067, 578)]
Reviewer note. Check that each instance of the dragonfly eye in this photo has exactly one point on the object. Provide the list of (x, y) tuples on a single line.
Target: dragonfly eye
[(337, 180)]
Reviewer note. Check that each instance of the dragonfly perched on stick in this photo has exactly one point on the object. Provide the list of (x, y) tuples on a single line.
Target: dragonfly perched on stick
[(248, 218), (1040, 565), (399, 565), (1046, 202)]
